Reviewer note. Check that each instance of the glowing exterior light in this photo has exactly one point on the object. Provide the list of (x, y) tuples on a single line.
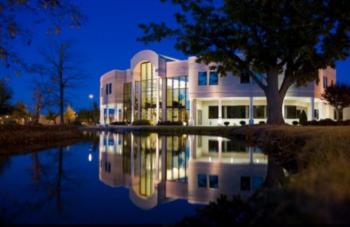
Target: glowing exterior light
[(90, 157), (91, 96)]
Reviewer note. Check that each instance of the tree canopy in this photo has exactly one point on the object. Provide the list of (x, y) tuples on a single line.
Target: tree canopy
[(5, 98), (262, 39), (339, 97), (18, 18)]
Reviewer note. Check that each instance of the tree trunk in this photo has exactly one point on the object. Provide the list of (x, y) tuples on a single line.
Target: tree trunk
[(274, 100), (61, 105)]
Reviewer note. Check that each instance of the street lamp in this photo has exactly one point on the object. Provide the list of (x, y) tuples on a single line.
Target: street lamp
[(91, 97)]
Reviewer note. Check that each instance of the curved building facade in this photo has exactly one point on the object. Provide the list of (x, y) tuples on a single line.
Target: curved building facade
[(159, 88)]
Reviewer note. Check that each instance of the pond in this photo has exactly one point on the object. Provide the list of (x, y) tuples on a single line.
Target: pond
[(127, 179)]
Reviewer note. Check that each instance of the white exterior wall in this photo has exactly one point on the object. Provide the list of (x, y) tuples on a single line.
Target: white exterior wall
[(346, 114)]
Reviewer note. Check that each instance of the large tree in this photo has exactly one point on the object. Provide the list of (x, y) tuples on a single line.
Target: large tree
[(5, 98), (19, 18), (277, 43), (61, 65), (339, 97)]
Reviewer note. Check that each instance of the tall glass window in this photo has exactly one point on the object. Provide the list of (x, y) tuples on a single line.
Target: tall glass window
[(149, 93), (127, 102), (213, 78), (202, 78), (177, 99), (294, 112), (178, 156)]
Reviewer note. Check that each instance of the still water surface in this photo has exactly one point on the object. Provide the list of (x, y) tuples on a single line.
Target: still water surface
[(128, 179)]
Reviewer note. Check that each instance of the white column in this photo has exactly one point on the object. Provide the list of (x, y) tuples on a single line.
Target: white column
[(132, 162), (251, 153), (193, 146), (321, 110), (312, 108), (220, 122), (283, 110), (157, 159), (164, 99), (164, 162), (132, 100), (220, 148), (251, 110), (193, 105), (158, 99), (107, 113)]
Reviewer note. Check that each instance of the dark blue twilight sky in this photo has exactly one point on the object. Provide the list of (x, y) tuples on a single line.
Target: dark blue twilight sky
[(108, 41)]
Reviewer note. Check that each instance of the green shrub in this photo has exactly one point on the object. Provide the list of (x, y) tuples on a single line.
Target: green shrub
[(119, 123), (170, 123), (296, 123), (76, 123), (141, 122), (226, 123), (303, 118)]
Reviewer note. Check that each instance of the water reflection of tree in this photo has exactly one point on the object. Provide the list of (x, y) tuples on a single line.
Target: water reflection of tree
[(52, 180), (5, 161)]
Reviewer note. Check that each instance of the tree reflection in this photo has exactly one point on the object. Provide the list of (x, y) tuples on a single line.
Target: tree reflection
[(51, 179), (5, 161)]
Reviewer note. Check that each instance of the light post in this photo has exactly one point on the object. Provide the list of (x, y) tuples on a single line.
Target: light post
[(91, 98)]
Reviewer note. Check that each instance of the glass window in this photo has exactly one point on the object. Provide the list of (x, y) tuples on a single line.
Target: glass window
[(291, 112), (325, 82), (213, 112), (202, 180), (213, 78), (213, 146), (232, 146), (245, 184), (259, 111), (317, 114), (236, 112), (214, 181), (257, 182), (202, 78)]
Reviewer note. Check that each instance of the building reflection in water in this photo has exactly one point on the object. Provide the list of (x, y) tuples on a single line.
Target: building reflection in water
[(159, 169)]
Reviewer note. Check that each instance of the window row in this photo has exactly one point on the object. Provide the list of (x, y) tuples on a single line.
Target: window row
[(109, 89), (204, 181), (203, 78), (214, 78), (236, 112)]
